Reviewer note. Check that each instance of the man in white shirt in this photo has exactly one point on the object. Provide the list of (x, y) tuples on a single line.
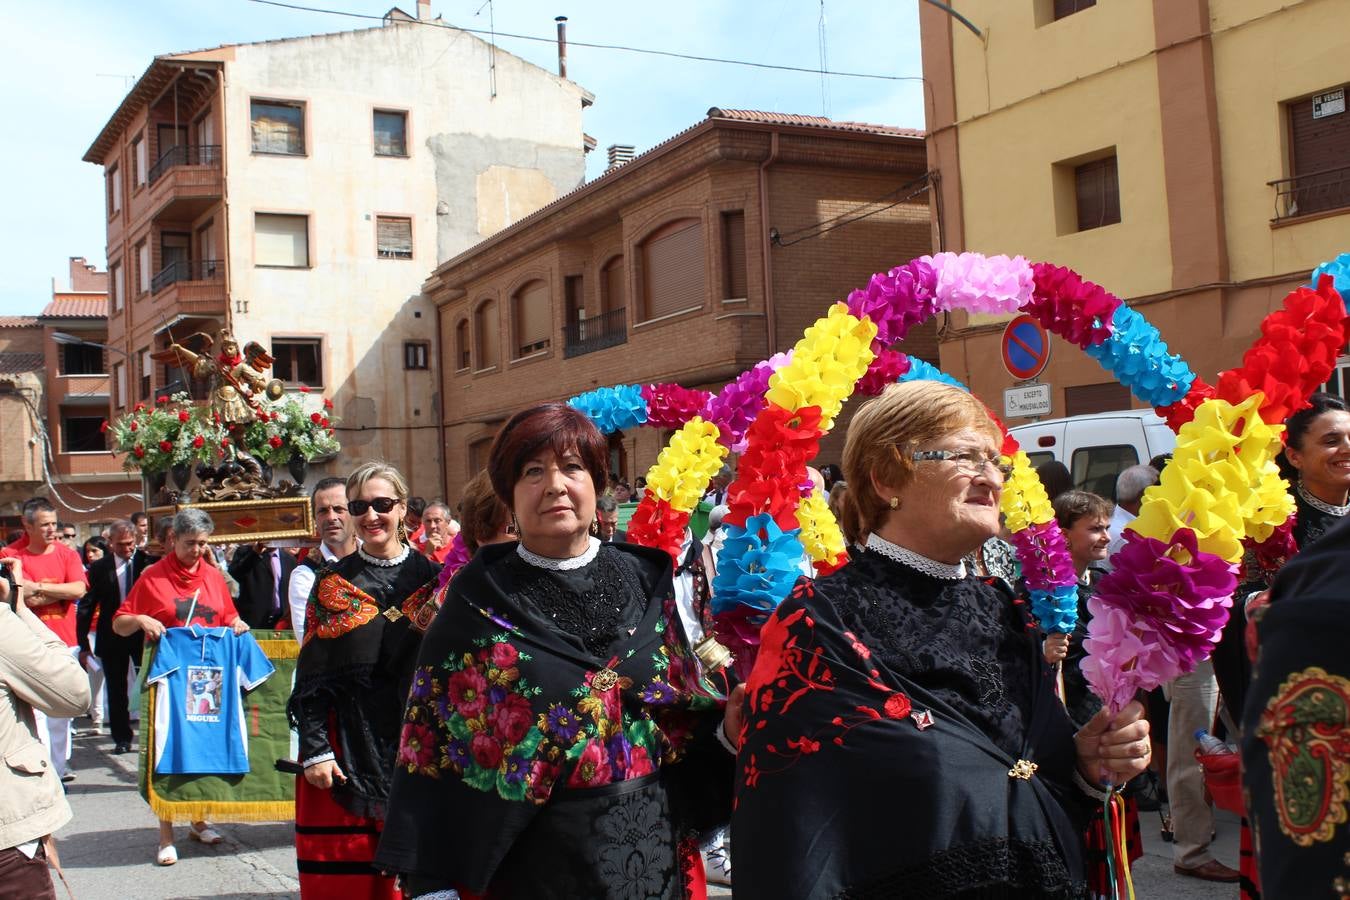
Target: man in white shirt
[(1130, 487), (337, 538)]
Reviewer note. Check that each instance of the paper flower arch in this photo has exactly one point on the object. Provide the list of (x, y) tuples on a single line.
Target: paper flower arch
[(1164, 605)]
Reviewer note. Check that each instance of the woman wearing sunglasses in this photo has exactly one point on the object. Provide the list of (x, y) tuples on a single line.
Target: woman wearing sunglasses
[(363, 625)]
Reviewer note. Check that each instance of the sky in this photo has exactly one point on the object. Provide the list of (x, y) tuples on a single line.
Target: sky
[(67, 66)]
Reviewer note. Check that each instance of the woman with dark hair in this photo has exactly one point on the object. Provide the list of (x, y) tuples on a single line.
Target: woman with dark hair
[(904, 739), (94, 549), (1055, 477), (363, 625), (557, 741)]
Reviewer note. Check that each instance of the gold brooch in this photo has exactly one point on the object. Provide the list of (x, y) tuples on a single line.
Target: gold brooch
[(1023, 769), (393, 614), (605, 679)]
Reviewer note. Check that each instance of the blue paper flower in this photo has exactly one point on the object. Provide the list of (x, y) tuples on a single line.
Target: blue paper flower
[(1137, 355), (757, 566), (613, 408), (1339, 270), (922, 371), (1056, 610)]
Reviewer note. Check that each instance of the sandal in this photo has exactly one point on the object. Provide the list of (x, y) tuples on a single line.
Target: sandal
[(207, 835), (167, 856)]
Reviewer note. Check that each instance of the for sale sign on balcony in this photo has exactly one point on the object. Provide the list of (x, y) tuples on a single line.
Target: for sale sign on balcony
[(1328, 104)]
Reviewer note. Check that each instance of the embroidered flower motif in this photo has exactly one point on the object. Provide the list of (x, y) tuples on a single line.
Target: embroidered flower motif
[(561, 722), (511, 718), (468, 690), (658, 693), (592, 768), (486, 750), (897, 706), (417, 748), (504, 656)]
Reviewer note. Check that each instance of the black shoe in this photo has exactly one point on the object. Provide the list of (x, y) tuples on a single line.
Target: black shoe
[(122, 747), (68, 778)]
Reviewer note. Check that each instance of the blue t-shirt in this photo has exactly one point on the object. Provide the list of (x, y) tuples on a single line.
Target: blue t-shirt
[(198, 674)]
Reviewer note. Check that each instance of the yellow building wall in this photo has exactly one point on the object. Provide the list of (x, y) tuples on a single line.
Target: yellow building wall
[(1260, 62)]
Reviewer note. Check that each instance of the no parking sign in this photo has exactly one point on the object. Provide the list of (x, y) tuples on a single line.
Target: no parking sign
[(1026, 348)]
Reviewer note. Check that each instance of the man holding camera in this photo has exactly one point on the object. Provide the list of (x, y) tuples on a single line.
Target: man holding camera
[(37, 674)]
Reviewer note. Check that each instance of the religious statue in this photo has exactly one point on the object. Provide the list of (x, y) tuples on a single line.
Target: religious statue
[(237, 382)]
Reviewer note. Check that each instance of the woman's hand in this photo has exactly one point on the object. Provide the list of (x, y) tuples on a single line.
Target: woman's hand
[(734, 717), (324, 774), (239, 626), (153, 628), (1114, 750), (1056, 647)]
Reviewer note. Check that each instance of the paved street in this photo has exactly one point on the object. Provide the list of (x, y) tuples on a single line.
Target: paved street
[(108, 850)]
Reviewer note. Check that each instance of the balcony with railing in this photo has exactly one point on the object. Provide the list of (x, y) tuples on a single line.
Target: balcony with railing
[(596, 333), (185, 180), (1311, 193), (191, 287)]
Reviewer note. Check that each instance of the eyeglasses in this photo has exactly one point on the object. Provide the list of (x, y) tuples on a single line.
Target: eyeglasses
[(968, 462), (382, 505)]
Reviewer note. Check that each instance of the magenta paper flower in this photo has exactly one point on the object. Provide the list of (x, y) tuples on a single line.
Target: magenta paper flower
[(1045, 559), (455, 560), (1070, 306), (896, 301), (734, 407), (885, 368), (671, 405), (981, 284)]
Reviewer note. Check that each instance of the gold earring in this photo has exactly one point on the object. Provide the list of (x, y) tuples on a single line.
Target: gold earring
[(595, 526), (895, 503)]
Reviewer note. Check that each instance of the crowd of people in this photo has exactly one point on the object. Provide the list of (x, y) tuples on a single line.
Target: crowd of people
[(499, 697)]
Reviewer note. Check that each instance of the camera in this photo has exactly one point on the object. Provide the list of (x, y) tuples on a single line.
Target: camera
[(8, 575)]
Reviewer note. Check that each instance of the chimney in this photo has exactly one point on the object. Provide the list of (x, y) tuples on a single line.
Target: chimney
[(618, 155), (562, 45), (424, 10)]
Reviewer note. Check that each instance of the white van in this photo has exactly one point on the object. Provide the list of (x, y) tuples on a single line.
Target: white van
[(1097, 447)]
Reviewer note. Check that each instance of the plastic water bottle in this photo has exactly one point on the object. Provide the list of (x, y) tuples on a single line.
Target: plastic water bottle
[(1210, 745)]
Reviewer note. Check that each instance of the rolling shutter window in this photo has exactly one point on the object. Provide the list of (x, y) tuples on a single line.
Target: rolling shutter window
[(673, 269), (393, 237), (1097, 189), (485, 335), (462, 357), (533, 318), (613, 286), (281, 240), (1318, 145), (1069, 7), (733, 257)]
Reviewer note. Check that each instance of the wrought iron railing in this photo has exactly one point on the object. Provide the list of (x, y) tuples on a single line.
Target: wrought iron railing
[(596, 333), (1302, 195), (184, 155), (188, 270)]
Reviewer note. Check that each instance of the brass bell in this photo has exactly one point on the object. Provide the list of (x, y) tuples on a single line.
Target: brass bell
[(712, 654)]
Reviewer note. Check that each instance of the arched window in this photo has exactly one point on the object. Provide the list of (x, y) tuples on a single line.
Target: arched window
[(531, 318), (485, 334), (463, 350), (672, 269)]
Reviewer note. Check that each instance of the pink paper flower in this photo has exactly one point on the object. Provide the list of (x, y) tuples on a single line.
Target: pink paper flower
[(886, 367), (671, 405), (1124, 656), (981, 284), (738, 403), (1045, 559)]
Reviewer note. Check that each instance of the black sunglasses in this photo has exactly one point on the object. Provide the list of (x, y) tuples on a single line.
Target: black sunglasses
[(382, 505)]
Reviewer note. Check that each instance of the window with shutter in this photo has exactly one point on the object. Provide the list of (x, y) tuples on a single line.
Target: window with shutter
[(115, 285), (1097, 193), (1319, 153), (463, 353), (612, 295), (281, 240), (1069, 7), (733, 256), (393, 237), (142, 267), (672, 269), (485, 335), (277, 127), (533, 318)]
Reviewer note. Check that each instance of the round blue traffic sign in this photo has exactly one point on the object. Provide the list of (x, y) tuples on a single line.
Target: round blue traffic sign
[(1026, 348)]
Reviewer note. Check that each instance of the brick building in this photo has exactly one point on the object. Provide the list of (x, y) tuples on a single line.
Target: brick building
[(687, 264)]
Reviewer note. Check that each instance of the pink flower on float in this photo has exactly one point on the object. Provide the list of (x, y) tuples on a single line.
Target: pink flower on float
[(1124, 657), (983, 284), (896, 301), (1046, 563)]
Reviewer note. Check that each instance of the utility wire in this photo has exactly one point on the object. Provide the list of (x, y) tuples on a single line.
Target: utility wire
[(923, 184), (40, 427), (571, 43), (840, 224)]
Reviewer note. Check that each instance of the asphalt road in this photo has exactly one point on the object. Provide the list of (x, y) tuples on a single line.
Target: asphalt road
[(108, 849)]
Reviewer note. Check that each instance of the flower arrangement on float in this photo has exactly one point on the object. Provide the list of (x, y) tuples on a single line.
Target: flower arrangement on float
[(289, 428), (171, 432)]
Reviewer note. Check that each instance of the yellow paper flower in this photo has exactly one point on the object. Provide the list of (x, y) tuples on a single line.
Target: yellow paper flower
[(688, 463), (826, 364), (1024, 499), (1270, 505), (820, 533)]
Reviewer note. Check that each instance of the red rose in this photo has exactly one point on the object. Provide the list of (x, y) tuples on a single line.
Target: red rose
[(315, 418), (274, 441), (331, 432), (511, 718), (140, 407), (225, 443), (161, 400), (165, 446), (327, 404), (304, 389), (486, 750), (134, 426), (324, 423), (198, 442), (215, 418), (504, 656), (138, 450), (183, 415), (103, 426), (897, 706)]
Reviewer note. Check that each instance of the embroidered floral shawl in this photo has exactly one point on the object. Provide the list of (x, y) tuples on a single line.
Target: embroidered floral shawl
[(527, 769)]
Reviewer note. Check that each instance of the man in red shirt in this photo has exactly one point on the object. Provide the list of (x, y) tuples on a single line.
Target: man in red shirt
[(53, 583)]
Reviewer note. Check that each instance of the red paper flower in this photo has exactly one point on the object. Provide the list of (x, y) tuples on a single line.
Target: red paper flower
[(315, 418), (1071, 306), (198, 442), (184, 415), (138, 450), (1183, 410), (774, 465), (165, 446), (655, 524), (274, 441)]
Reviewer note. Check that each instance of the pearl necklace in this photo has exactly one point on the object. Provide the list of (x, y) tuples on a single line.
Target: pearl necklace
[(1322, 505), (917, 561), (561, 565), (384, 563)]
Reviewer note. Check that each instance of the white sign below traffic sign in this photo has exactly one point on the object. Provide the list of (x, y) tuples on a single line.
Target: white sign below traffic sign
[(1026, 400)]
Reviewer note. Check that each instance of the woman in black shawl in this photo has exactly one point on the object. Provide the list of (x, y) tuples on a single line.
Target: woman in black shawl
[(903, 737), (363, 624), (557, 741)]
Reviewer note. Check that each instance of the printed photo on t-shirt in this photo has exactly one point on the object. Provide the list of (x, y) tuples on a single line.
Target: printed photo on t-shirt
[(201, 613), (203, 693)]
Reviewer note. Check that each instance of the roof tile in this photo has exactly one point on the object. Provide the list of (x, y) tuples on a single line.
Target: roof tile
[(77, 306), (18, 321), (12, 362)]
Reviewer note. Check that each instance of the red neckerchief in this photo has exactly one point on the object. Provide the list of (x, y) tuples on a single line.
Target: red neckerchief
[(230, 360)]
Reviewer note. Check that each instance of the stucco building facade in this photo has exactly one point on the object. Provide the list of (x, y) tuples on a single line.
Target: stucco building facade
[(298, 191), (1191, 156), (688, 264)]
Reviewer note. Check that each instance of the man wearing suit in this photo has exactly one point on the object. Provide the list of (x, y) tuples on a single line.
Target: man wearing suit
[(263, 574), (110, 580)]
